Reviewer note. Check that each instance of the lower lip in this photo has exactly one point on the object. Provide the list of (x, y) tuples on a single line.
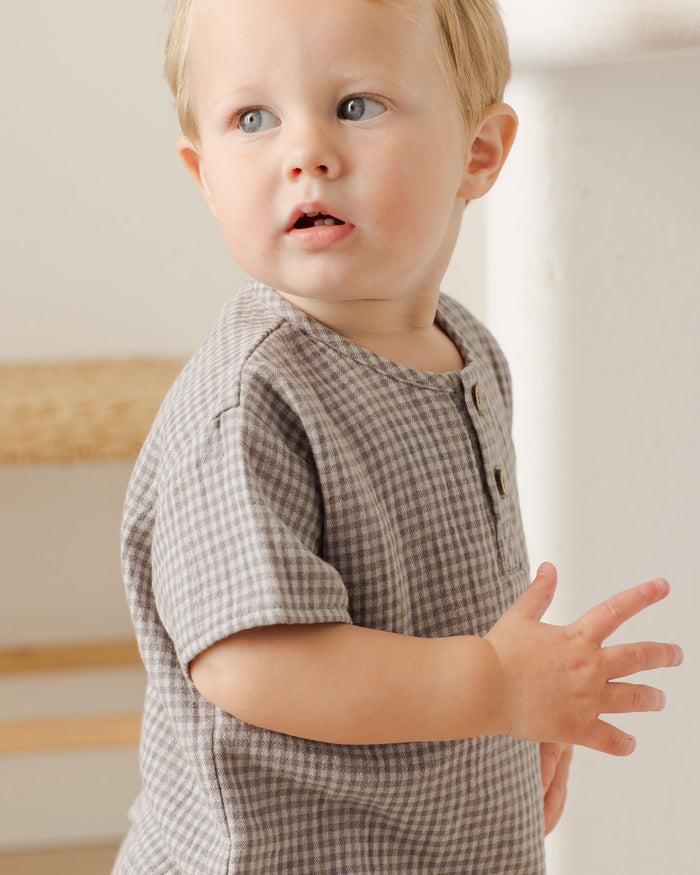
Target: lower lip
[(320, 236)]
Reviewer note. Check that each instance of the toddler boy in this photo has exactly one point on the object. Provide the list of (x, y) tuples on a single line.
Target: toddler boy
[(322, 545)]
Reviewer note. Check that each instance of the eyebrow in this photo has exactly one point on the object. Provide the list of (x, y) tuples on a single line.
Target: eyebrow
[(222, 103)]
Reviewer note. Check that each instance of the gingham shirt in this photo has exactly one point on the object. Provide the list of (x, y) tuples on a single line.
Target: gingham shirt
[(292, 476)]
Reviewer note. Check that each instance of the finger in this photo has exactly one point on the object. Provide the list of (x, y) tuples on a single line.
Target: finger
[(555, 797), (608, 739), (623, 660), (554, 805), (628, 698), (538, 596), (553, 756), (550, 753), (602, 620)]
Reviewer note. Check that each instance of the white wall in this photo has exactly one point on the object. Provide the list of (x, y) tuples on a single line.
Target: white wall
[(593, 289)]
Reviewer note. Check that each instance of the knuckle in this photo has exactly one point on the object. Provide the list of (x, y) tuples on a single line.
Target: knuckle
[(640, 656), (611, 608), (640, 699)]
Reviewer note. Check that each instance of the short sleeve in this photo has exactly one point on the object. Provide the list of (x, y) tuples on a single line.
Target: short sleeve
[(237, 537)]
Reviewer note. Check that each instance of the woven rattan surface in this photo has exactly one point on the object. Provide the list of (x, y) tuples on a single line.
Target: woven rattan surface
[(75, 411)]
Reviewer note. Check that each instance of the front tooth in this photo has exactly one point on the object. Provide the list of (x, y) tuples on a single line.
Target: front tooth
[(318, 222), (313, 215), (329, 221)]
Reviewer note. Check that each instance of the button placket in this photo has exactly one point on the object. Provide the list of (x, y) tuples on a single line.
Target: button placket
[(495, 475), (476, 399)]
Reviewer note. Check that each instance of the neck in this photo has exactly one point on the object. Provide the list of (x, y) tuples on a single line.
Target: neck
[(404, 332), (371, 318)]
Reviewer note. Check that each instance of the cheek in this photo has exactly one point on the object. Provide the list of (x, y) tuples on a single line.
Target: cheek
[(410, 182), (232, 182), (390, 189), (417, 210), (239, 211)]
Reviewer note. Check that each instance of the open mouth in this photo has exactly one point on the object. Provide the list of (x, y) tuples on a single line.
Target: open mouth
[(315, 220)]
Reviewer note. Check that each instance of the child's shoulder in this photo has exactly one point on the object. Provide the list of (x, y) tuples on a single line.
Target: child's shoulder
[(246, 339), (239, 364)]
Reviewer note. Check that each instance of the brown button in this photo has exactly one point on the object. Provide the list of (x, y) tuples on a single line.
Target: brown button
[(501, 481), (478, 397)]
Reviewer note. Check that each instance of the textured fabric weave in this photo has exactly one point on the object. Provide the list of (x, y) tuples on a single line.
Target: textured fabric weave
[(294, 477)]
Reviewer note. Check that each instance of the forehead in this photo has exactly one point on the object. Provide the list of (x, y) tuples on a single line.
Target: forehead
[(231, 37)]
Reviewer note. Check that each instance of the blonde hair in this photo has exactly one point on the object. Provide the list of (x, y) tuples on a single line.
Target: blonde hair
[(472, 53), (176, 54)]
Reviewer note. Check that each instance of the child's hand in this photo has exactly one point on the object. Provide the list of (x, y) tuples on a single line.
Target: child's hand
[(557, 680)]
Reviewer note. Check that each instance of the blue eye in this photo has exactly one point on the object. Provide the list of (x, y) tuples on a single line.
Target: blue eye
[(253, 121), (355, 109)]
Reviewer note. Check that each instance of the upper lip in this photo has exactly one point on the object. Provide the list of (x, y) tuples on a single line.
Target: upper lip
[(310, 208)]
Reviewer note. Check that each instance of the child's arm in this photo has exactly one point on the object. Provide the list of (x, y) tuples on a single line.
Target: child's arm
[(348, 684), (351, 685)]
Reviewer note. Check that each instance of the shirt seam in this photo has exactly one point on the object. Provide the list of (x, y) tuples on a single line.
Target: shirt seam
[(246, 359)]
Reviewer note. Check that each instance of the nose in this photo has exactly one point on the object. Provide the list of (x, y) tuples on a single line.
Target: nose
[(313, 153)]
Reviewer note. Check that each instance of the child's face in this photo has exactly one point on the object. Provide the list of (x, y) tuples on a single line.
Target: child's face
[(330, 107)]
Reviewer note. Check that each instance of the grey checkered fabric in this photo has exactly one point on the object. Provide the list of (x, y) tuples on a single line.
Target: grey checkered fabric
[(294, 477)]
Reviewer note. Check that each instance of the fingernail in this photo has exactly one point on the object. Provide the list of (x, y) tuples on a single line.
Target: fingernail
[(662, 585), (543, 569), (662, 701), (679, 654)]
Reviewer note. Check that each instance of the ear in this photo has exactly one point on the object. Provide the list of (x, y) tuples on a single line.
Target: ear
[(192, 159), (488, 146)]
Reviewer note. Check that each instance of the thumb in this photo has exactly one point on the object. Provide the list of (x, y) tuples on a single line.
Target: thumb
[(538, 596)]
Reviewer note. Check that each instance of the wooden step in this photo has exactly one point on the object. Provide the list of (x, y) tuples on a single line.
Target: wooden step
[(74, 731), (37, 658), (69, 733), (90, 860), (80, 411)]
